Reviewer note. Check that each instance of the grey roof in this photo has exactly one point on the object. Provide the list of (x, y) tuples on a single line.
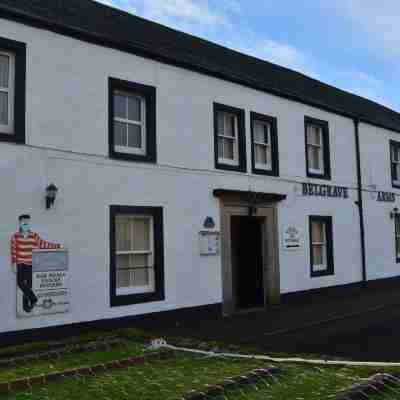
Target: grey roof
[(95, 22)]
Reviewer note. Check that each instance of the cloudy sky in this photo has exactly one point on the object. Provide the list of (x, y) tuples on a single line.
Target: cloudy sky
[(351, 44)]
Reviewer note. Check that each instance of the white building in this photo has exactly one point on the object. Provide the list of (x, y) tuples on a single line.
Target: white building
[(152, 137)]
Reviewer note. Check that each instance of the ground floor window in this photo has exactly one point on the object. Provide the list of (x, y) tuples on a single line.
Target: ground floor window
[(321, 246), (136, 245), (397, 236)]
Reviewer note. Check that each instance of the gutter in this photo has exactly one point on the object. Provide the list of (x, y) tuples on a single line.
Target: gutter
[(359, 202)]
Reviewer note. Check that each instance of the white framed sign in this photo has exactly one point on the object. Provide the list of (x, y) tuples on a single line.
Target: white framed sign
[(292, 237), (209, 243), (50, 284)]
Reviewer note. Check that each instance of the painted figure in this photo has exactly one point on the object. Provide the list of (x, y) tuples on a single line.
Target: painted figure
[(22, 244)]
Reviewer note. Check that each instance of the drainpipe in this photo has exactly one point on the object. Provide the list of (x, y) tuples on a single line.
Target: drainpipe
[(359, 202)]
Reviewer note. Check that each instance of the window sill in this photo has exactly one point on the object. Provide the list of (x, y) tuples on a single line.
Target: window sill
[(147, 158), (130, 150), (317, 274), (318, 176), (135, 290), (131, 299), (264, 171), (10, 137)]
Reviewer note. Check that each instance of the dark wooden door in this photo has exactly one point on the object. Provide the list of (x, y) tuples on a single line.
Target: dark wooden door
[(248, 261)]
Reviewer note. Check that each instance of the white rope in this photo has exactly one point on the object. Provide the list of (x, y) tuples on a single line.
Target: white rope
[(283, 360)]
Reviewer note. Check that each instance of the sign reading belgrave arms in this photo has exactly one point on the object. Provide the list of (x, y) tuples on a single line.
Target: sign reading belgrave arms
[(314, 189)]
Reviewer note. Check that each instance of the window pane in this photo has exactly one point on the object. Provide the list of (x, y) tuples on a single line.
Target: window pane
[(317, 232), (261, 154), (123, 234), (3, 108), (4, 71), (261, 132), (397, 225), (230, 123), (120, 134), (314, 157), (134, 108), (134, 136), (397, 246), (221, 148), (141, 260), (141, 277), (220, 123), (314, 134), (229, 152), (395, 153), (120, 106), (141, 240), (318, 255)]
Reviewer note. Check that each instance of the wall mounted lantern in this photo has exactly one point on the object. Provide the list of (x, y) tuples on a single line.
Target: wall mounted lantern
[(394, 213), (51, 194)]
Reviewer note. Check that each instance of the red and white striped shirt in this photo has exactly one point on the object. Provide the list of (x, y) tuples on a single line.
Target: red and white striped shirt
[(21, 247)]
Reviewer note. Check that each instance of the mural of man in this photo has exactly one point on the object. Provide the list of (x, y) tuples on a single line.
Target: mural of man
[(23, 243)]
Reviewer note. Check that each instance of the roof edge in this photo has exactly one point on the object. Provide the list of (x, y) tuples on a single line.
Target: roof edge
[(16, 15)]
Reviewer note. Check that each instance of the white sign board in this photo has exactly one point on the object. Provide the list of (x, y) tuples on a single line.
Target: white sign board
[(292, 237), (209, 243), (50, 284)]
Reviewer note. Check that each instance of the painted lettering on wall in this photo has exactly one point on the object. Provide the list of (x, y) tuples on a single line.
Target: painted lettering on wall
[(314, 189), (386, 197)]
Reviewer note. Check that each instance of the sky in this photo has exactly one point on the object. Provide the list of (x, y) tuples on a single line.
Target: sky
[(351, 44)]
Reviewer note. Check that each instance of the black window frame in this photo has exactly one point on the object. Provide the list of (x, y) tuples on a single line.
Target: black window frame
[(149, 94), (273, 121), (158, 231), (395, 237), (329, 245), (241, 116), (326, 175), (393, 143), (19, 50)]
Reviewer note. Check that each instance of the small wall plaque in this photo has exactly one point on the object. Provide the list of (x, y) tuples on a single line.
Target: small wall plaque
[(209, 243), (292, 238)]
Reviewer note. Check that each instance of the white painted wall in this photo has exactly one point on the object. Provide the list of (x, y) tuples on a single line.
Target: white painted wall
[(379, 228), (67, 84)]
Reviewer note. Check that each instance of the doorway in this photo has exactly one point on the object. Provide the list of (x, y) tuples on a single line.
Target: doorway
[(247, 262), (249, 255)]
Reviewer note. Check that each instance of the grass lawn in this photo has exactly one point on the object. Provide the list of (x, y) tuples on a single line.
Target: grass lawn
[(163, 380), (169, 379), (303, 383), (67, 361)]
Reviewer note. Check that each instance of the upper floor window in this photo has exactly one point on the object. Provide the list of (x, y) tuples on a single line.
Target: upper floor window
[(321, 246), (229, 138), (395, 162), (12, 90), (137, 271), (7, 93), (132, 121), (317, 148), (264, 144)]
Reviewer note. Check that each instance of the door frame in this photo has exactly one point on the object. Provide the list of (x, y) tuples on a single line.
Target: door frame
[(270, 250)]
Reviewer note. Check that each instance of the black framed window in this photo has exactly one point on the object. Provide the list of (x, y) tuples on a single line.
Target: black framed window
[(132, 121), (397, 236), (137, 255), (395, 163), (321, 246), (229, 138), (318, 163), (12, 90), (264, 139)]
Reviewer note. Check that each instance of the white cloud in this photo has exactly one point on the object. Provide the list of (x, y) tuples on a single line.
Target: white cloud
[(198, 17), (378, 19)]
